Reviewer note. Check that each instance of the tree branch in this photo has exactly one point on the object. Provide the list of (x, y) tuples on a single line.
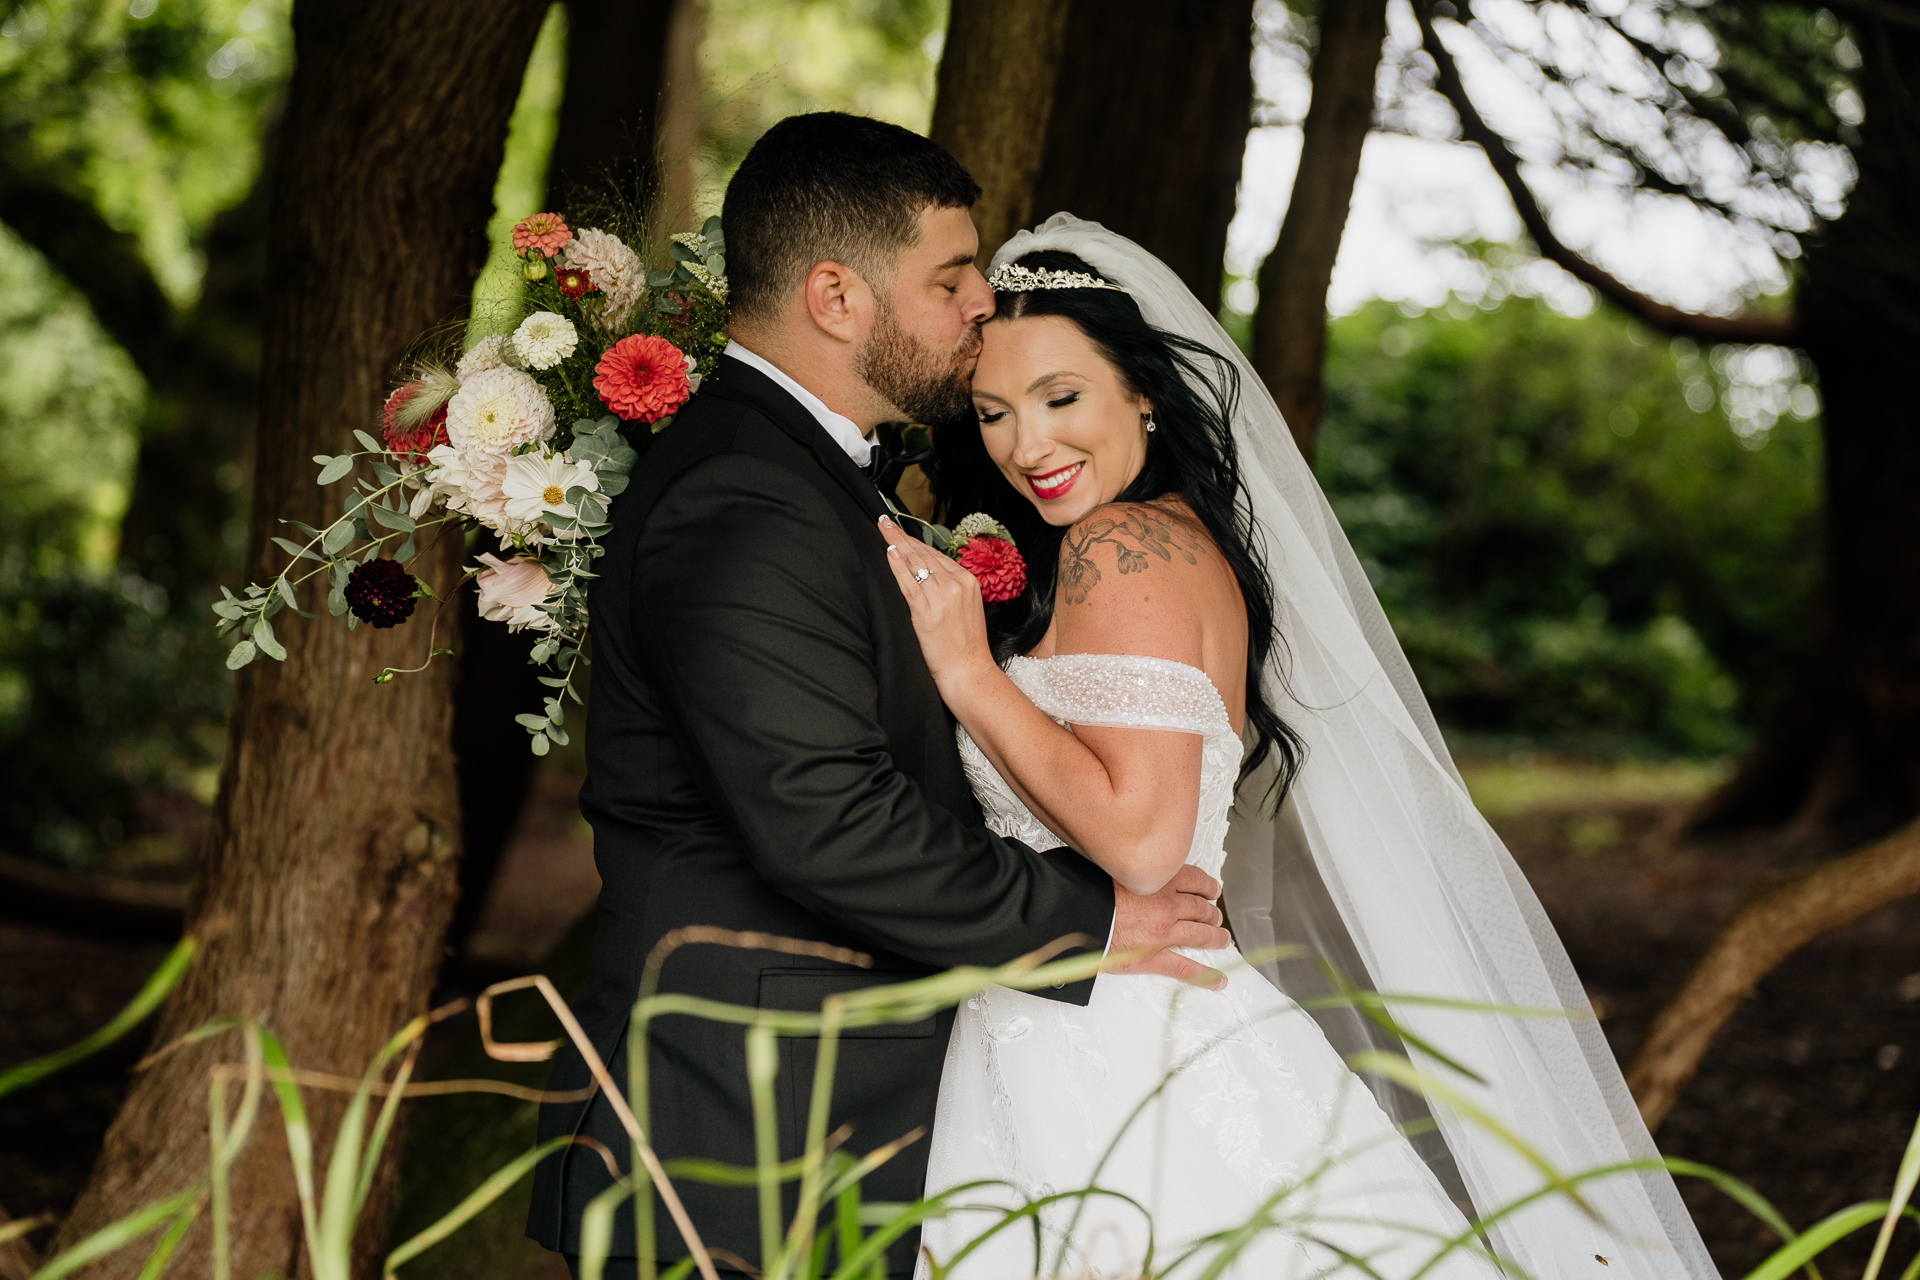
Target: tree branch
[(1506, 164), (104, 264), (1766, 929)]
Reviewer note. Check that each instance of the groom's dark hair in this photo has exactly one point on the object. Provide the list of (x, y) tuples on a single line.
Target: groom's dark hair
[(830, 187)]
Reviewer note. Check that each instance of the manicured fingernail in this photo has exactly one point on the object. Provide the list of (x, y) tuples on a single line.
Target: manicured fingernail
[(893, 553), (886, 521)]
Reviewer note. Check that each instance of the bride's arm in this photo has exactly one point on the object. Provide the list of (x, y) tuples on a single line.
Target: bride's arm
[(1125, 798)]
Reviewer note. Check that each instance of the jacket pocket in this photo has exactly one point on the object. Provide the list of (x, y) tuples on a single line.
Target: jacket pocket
[(805, 990)]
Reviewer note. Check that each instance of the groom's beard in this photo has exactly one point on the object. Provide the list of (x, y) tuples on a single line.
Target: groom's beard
[(926, 383)]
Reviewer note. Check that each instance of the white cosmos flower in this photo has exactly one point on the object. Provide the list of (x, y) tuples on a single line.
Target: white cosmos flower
[(544, 339), (488, 353), (497, 411), (536, 487)]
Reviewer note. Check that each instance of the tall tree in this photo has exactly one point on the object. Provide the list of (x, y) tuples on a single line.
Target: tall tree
[(329, 876), (1290, 328), (1139, 125)]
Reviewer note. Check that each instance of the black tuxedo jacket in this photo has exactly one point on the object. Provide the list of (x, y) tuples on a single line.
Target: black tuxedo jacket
[(767, 751)]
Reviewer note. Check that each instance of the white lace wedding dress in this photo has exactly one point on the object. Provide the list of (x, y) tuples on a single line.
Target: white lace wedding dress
[(1259, 1111)]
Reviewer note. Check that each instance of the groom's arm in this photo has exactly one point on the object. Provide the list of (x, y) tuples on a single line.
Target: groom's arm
[(752, 616)]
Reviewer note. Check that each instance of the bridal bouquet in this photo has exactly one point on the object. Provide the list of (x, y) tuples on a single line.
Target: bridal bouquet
[(525, 436)]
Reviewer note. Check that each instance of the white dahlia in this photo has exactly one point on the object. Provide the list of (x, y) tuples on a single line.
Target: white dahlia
[(498, 411), (536, 487), (544, 339), (487, 354), (470, 485), (615, 269)]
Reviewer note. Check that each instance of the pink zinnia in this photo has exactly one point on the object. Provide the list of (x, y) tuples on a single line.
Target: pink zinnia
[(543, 231), (412, 442), (997, 563), (642, 379)]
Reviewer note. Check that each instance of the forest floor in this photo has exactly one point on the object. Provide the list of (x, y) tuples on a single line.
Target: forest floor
[(1809, 1094)]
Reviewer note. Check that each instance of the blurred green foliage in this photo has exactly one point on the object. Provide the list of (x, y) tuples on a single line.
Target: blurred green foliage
[(1574, 543)]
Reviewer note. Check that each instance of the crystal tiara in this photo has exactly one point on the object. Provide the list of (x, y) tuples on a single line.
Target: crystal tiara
[(1014, 278)]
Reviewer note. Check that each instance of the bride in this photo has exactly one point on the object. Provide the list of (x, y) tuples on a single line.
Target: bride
[(1206, 633)]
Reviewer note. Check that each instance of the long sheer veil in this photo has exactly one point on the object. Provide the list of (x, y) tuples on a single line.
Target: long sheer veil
[(1380, 862)]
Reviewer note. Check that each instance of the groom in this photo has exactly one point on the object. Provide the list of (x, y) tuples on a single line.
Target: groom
[(766, 749)]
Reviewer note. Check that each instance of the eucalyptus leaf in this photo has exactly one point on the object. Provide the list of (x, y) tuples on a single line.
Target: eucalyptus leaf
[(717, 263), (336, 602), (286, 590), (264, 637), (539, 744), (406, 550), (386, 473), (613, 485), (368, 442), (240, 655), (335, 469), (338, 535), (396, 520), (681, 253), (659, 279), (528, 720), (713, 231), (294, 549)]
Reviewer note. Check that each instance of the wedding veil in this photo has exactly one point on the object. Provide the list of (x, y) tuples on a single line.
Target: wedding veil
[(1380, 862)]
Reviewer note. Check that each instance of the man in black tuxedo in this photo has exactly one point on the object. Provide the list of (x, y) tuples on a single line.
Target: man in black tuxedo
[(766, 749)]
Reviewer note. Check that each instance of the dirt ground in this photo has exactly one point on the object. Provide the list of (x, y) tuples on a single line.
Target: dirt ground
[(1810, 1094)]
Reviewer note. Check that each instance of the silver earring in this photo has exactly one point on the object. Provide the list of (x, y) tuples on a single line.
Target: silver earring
[(1150, 422)]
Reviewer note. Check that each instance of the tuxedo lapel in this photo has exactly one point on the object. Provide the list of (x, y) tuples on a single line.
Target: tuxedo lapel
[(743, 384)]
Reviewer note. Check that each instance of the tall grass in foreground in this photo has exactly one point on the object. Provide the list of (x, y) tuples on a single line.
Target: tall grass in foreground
[(833, 1234)]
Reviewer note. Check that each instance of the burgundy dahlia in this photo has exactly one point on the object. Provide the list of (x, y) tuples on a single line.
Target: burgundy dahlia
[(380, 593)]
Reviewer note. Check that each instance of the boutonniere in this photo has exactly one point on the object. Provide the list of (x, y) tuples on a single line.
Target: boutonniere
[(983, 547)]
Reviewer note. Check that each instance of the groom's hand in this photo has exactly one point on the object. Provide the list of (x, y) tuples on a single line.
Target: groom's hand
[(1181, 914)]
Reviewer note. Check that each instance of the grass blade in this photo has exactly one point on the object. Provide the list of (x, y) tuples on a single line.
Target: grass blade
[(1788, 1258), (117, 1235), (596, 1231), (1902, 1192), (162, 1254), (149, 997), (763, 1064), (479, 1198)]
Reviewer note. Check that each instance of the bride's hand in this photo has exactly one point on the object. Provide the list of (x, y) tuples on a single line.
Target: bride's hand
[(948, 614)]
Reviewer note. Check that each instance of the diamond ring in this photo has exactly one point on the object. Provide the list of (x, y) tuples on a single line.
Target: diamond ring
[(921, 575)]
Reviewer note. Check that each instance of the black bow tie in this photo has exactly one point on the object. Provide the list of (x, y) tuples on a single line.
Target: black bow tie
[(889, 461)]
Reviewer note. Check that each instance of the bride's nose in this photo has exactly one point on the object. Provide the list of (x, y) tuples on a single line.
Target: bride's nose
[(1030, 448)]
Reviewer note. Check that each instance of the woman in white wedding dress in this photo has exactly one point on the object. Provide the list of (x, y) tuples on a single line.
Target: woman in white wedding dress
[(1184, 612)]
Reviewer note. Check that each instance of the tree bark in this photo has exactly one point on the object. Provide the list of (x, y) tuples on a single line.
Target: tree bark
[(329, 874), (1763, 932), (998, 73), (1149, 123), (1290, 328), (610, 114), (1841, 758)]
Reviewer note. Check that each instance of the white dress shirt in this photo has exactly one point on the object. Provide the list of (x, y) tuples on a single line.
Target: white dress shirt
[(839, 426)]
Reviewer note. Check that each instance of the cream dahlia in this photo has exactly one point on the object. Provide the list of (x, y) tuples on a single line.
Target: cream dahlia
[(536, 487), (488, 353), (544, 339), (511, 591), (497, 411), (470, 485), (615, 269)]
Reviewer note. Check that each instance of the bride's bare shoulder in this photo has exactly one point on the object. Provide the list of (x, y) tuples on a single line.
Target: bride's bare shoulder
[(1131, 549)]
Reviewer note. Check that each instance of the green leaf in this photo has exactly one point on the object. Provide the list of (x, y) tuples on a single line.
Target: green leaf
[(681, 253), (286, 591), (540, 744), (303, 527), (659, 279), (396, 520), (145, 1002), (294, 549), (713, 231), (717, 263), (338, 535), (240, 655), (528, 720), (479, 1198), (263, 636), (117, 1235), (386, 474), (368, 442), (335, 469)]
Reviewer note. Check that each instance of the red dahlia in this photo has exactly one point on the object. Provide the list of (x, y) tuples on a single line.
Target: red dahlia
[(997, 563), (380, 593), (642, 378), (575, 282), (411, 443)]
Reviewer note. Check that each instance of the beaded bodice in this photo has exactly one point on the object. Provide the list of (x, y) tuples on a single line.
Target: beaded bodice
[(1119, 691)]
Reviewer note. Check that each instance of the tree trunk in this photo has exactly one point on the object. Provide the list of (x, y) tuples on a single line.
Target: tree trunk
[(1149, 123), (1290, 328), (611, 110), (329, 873), (1841, 759), (998, 72)]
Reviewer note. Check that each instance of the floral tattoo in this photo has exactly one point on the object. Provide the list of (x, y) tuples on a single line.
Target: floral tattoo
[(1134, 537)]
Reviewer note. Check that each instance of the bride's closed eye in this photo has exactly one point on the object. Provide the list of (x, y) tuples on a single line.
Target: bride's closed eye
[(990, 415), (1064, 400)]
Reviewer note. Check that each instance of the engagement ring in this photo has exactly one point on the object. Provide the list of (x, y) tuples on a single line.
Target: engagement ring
[(921, 575)]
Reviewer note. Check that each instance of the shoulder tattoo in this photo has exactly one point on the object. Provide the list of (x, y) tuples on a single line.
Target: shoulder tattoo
[(1138, 536)]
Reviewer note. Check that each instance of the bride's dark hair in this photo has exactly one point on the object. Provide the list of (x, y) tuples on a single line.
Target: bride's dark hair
[(1193, 391)]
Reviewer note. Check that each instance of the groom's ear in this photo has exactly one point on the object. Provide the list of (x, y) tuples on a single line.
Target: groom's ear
[(839, 301)]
